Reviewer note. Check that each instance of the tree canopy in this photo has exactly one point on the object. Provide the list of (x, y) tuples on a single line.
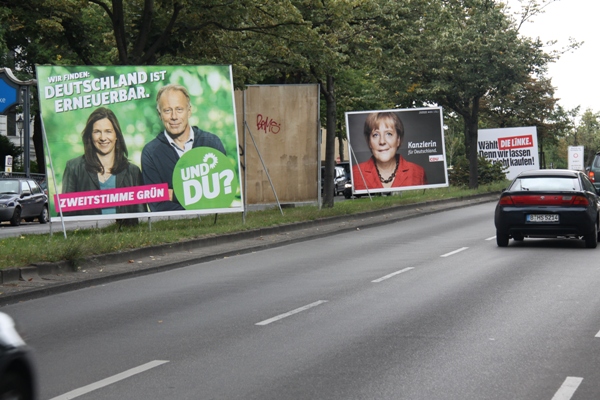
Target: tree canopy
[(465, 55), (470, 50)]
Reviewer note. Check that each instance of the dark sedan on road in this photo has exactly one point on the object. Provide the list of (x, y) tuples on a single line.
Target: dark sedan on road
[(22, 198), (548, 203)]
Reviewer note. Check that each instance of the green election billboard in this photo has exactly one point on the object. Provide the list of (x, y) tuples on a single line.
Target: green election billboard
[(134, 141)]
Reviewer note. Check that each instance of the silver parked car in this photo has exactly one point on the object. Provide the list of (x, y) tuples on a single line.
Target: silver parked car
[(340, 180), (22, 198)]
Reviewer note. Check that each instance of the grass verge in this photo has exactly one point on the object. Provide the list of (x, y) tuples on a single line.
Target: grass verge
[(30, 249)]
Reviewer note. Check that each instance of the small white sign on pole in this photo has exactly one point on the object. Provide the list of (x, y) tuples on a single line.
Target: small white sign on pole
[(575, 160), (8, 164)]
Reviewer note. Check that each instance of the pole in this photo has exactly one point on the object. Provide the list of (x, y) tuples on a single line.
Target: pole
[(27, 126), (21, 148)]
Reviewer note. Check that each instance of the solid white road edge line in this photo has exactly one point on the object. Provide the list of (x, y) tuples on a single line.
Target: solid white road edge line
[(491, 238), (568, 388), (109, 381), (454, 252), (383, 278), (287, 314)]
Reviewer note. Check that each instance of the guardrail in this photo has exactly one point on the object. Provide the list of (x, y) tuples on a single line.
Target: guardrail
[(39, 178)]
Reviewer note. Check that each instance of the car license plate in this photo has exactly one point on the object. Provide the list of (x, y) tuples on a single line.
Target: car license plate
[(542, 217)]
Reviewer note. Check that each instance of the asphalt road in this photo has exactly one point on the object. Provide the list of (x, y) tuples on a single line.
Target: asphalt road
[(427, 308)]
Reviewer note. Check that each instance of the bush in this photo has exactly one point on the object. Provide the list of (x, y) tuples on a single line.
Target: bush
[(487, 172)]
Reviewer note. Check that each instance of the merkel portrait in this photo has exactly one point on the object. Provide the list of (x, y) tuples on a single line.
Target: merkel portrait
[(104, 164), (384, 133)]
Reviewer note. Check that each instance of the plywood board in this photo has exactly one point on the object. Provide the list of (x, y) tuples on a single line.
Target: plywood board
[(284, 123)]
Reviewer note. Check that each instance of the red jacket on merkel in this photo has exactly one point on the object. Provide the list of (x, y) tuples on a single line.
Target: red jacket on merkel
[(407, 174)]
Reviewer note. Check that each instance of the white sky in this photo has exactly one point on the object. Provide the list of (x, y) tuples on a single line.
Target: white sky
[(575, 74)]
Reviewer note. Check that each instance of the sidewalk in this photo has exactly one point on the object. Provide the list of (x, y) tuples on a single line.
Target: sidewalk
[(20, 284)]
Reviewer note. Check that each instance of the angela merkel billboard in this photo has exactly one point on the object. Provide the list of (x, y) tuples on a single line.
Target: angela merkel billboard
[(395, 150)]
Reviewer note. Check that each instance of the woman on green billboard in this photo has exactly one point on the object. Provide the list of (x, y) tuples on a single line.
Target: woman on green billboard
[(104, 164)]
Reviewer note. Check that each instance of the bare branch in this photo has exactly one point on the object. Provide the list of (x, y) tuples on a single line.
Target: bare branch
[(177, 7)]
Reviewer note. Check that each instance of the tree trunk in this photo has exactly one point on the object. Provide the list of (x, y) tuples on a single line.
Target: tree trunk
[(341, 154), (472, 126), (328, 188)]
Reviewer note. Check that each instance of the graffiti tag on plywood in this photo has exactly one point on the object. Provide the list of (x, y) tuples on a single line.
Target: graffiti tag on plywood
[(268, 125)]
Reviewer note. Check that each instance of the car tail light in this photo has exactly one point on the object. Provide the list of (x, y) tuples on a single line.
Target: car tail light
[(506, 201), (592, 176), (544, 200), (580, 201)]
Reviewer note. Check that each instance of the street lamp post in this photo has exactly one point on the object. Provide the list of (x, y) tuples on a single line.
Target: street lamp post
[(20, 128)]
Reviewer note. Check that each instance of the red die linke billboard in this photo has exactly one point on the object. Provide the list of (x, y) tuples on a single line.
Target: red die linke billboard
[(515, 148)]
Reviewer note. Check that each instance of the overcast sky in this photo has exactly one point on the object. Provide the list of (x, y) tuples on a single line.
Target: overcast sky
[(575, 74)]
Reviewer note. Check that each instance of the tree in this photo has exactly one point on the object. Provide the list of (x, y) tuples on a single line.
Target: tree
[(587, 134), (343, 51), (365, 54), (7, 148), (320, 49), (470, 49), (453, 138), (531, 103), (136, 32), (357, 89), (140, 32), (43, 32)]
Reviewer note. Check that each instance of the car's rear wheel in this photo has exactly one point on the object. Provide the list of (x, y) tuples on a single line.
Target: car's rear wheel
[(16, 218), (591, 239), (501, 238), (43, 217)]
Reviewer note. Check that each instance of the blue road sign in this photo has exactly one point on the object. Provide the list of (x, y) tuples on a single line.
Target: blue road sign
[(8, 94)]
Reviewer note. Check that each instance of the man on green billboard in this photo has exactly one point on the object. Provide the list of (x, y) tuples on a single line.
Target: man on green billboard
[(160, 155)]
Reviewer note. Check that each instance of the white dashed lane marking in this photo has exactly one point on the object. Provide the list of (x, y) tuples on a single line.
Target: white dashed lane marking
[(287, 314), (109, 381), (383, 278), (454, 252)]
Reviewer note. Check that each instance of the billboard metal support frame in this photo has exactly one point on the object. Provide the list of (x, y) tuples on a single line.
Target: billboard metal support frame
[(62, 220), (264, 166), (359, 170)]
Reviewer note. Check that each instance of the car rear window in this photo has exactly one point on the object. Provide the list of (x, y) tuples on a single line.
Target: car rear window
[(550, 183)]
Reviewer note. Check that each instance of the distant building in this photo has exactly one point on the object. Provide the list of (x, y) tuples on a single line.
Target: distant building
[(337, 148), (15, 136)]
